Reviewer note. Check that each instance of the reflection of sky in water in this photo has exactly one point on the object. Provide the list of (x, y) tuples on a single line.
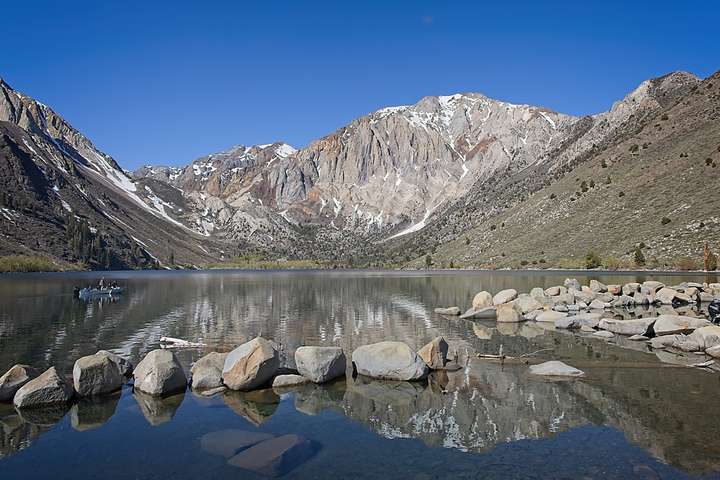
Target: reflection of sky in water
[(619, 422)]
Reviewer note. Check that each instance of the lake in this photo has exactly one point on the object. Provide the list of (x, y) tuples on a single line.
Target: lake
[(634, 415)]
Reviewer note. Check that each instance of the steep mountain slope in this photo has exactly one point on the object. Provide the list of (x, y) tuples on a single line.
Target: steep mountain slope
[(655, 186), (65, 199)]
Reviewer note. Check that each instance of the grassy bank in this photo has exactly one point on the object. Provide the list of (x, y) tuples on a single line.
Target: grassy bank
[(26, 263), (258, 263)]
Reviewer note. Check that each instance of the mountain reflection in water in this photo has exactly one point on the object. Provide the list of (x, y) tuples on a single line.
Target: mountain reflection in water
[(487, 417)]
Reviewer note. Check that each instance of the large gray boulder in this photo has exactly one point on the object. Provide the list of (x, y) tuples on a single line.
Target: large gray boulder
[(124, 366), (434, 354), (583, 295), (504, 296), (47, 389), (630, 288), (320, 364), (555, 368), (671, 324), (667, 295), (598, 287), (389, 361), (706, 337), (251, 365), (482, 300), (636, 326), (96, 375), (13, 379), (159, 373), (207, 372)]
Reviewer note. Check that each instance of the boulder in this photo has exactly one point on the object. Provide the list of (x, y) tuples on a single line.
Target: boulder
[(671, 324), (550, 316), (666, 296), (250, 365), (96, 375), (47, 389), (713, 351), (482, 313), (582, 295), (603, 334), (13, 379), (451, 311), (207, 372), (275, 457), (123, 365), (630, 288), (159, 373), (636, 326), (578, 321), (623, 301), (504, 296), (652, 285), (538, 294), (666, 341), (598, 287), (482, 300), (555, 368), (587, 329), (561, 308), (434, 354), (509, 313), (566, 322), (389, 361), (643, 299), (706, 337), (552, 291), (572, 283), (705, 297), (532, 315), (527, 303), (563, 299), (614, 289), (289, 380), (321, 364), (598, 304)]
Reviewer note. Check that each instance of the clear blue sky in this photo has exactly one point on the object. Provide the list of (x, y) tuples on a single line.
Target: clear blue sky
[(166, 82)]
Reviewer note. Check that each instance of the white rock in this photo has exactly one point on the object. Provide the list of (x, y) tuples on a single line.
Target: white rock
[(504, 296), (555, 368), (482, 300), (251, 365), (509, 313)]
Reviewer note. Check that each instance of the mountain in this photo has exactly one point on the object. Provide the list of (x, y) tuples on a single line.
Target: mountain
[(64, 199), (445, 176)]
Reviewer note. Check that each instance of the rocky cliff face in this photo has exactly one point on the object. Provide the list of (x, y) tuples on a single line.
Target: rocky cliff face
[(391, 185)]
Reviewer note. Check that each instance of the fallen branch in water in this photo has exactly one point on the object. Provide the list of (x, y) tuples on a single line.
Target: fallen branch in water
[(170, 342), (509, 357)]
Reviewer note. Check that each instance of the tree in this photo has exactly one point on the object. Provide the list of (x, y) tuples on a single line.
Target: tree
[(639, 257), (710, 259), (428, 261), (592, 260), (172, 257)]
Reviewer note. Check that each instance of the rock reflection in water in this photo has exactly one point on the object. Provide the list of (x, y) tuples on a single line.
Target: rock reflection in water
[(15, 433), (256, 406), (91, 413), (158, 410)]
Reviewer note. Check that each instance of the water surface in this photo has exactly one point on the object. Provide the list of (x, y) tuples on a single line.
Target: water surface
[(633, 416)]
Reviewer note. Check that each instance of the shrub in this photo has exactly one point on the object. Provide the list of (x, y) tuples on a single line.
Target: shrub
[(428, 261), (523, 262), (708, 161), (584, 186), (634, 148), (686, 263), (552, 196), (608, 181), (639, 257), (621, 194), (26, 263), (592, 260), (603, 163), (709, 259), (664, 116), (467, 240), (665, 220), (493, 227)]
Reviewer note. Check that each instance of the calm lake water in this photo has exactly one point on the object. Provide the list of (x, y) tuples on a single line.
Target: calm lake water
[(634, 415)]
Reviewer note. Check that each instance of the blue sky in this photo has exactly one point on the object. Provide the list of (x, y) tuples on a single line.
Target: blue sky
[(166, 82)]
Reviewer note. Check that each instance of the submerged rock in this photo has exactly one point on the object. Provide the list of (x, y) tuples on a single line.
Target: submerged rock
[(482, 313), (450, 311), (434, 354), (97, 374), (390, 361), (13, 379), (320, 364), (275, 457), (47, 389), (228, 443), (159, 373), (207, 371), (251, 365), (556, 368)]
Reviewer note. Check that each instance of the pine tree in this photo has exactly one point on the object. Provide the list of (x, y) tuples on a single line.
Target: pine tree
[(639, 257)]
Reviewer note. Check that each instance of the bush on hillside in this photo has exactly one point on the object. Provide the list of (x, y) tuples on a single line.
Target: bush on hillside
[(592, 260)]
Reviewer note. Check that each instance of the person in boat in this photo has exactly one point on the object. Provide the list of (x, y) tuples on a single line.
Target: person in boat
[(102, 283)]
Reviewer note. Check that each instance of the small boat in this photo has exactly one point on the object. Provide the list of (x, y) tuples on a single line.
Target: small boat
[(99, 292)]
